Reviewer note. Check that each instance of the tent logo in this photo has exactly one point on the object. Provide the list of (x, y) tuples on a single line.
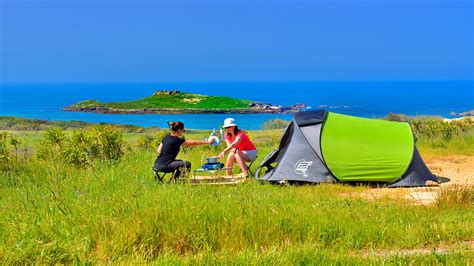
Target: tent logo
[(301, 167)]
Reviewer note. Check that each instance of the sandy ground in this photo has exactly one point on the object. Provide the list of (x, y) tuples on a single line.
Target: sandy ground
[(452, 171)]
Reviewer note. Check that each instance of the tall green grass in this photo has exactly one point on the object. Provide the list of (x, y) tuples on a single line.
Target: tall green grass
[(113, 211)]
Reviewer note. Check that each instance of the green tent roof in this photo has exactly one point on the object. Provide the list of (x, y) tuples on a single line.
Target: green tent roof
[(361, 149)]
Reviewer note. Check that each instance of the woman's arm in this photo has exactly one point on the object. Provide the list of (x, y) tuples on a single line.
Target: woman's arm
[(160, 148), (230, 146), (198, 142)]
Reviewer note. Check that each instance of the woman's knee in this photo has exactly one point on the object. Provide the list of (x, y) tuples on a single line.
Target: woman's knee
[(239, 155), (231, 156)]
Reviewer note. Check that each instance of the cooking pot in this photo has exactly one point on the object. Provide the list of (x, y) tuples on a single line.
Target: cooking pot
[(213, 159)]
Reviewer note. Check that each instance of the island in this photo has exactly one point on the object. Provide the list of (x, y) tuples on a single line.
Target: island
[(467, 113), (177, 102)]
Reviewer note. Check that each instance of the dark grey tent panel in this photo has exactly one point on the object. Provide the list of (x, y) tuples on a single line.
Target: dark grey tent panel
[(313, 135), (296, 162), (308, 118), (417, 173)]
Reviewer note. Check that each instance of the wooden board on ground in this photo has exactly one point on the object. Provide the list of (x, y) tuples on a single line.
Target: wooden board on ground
[(213, 180)]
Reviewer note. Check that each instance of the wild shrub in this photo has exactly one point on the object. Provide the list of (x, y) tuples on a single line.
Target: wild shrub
[(160, 136), (407, 118), (52, 146), (82, 147), (146, 142), (8, 151), (80, 150), (437, 133), (109, 142), (438, 130)]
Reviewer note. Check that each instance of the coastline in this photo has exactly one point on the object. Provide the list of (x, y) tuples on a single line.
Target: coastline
[(165, 102), (107, 110)]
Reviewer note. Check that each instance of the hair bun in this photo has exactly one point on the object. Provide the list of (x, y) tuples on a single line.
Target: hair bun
[(176, 125)]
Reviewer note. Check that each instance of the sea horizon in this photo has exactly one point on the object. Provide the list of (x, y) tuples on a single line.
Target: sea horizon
[(366, 98)]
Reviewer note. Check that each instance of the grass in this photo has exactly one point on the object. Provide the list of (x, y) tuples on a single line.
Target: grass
[(175, 101), (114, 212), (455, 196)]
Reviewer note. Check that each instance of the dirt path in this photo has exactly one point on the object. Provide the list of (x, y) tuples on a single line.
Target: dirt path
[(452, 170)]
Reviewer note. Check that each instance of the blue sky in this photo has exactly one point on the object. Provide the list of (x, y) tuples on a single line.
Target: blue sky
[(146, 41)]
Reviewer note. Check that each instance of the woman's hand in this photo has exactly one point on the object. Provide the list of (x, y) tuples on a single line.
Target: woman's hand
[(221, 155), (210, 140)]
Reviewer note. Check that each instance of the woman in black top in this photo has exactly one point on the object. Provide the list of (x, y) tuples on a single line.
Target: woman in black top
[(169, 149)]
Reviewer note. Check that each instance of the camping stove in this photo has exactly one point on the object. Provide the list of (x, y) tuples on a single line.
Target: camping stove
[(212, 166)]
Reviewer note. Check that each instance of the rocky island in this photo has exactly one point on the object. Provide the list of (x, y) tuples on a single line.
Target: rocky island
[(177, 102), (468, 113)]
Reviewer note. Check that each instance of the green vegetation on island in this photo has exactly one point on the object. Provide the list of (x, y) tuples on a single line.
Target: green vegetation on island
[(181, 102)]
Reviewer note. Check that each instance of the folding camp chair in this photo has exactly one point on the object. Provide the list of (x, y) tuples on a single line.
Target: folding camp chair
[(160, 176), (250, 165)]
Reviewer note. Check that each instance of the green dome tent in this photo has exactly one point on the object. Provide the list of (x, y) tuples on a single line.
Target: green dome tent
[(320, 146)]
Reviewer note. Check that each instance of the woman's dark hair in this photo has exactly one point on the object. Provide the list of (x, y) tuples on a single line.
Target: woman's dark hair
[(175, 126), (236, 130)]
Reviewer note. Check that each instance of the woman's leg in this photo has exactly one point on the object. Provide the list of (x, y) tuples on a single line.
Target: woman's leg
[(178, 166), (241, 158), (230, 162)]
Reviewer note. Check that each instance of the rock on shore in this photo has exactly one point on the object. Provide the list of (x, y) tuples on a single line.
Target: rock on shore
[(468, 113)]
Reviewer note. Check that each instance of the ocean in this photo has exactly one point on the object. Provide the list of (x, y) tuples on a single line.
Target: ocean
[(360, 98)]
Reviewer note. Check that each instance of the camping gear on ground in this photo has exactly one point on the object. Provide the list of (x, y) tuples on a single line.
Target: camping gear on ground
[(320, 146), (211, 160), (212, 166), (212, 163), (214, 174)]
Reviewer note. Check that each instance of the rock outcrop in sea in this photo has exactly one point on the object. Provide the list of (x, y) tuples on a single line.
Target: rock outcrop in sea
[(468, 113)]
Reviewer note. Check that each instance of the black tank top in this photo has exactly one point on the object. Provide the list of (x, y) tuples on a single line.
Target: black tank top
[(171, 146)]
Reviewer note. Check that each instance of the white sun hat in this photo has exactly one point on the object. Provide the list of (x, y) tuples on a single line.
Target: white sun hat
[(229, 122)]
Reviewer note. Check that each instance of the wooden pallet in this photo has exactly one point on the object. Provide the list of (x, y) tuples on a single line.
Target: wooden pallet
[(213, 180)]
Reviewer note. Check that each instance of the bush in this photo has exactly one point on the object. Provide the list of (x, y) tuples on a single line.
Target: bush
[(406, 118), (160, 136), (146, 142), (438, 130), (82, 148), (109, 142), (275, 124), (8, 151), (51, 147), (439, 134)]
